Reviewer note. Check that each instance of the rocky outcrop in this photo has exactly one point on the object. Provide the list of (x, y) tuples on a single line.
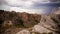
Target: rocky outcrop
[(49, 23), (16, 23), (17, 19)]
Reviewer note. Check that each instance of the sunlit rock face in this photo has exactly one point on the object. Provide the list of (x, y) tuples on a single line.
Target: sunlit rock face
[(49, 23)]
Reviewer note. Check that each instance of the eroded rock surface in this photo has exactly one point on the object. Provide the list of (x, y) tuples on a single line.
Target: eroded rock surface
[(17, 19), (18, 23), (23, 32), (49, 23)]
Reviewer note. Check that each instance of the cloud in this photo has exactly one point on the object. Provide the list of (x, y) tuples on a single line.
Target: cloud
[(24, 3), (28, 3), (30, 6), (19, 3)]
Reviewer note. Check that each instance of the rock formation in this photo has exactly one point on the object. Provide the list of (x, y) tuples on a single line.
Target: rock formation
[(16, 23), (49, 23), (16, 19)]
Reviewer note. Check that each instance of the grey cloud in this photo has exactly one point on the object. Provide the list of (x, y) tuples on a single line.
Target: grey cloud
[(2, 2), (54, 0), (36, 4), (31, 5)]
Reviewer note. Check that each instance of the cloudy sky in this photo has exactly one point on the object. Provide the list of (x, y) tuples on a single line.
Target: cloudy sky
[(30, 6)]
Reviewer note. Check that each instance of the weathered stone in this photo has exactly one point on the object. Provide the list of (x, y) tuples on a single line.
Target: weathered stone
[(41, 29), (20, 19), (48, 24), (42, 23), (23, 32)]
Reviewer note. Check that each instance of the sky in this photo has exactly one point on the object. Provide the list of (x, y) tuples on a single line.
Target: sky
[(29, 6)]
